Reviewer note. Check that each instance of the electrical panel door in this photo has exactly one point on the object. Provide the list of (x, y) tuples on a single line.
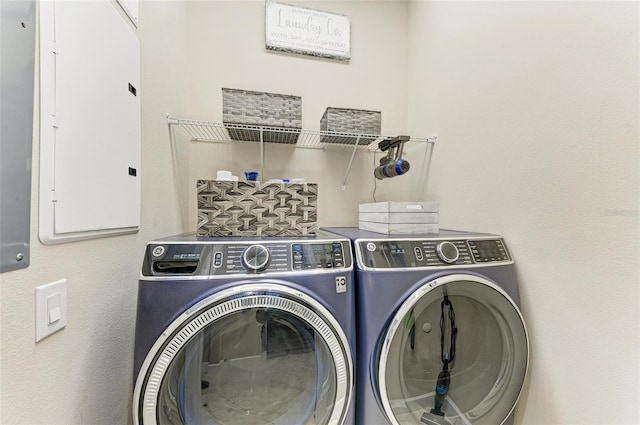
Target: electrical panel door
[(90, 122)]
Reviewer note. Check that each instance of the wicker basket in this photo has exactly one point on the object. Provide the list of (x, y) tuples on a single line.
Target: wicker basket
[(355, 121), (231, 208), (250, 108)]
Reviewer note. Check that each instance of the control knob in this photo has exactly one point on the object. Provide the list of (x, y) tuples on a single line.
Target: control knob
[(255, 258), (448, 252)]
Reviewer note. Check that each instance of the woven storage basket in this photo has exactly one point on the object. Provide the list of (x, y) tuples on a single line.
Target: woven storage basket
[(354, 121), (231, 208), (262, 109)]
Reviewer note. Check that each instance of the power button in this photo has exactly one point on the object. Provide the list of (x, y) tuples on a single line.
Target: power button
[(217, 260), (418, 253)]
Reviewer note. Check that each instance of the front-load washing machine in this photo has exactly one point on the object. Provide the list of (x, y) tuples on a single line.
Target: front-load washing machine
[(245, 331), (440, 337)]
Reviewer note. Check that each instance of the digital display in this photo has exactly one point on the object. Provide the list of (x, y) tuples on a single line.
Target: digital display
[(488, 250), (317, 255)]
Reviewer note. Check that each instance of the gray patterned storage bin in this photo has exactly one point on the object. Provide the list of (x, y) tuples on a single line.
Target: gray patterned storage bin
[(355, 121), (231, 208), (262, 109)]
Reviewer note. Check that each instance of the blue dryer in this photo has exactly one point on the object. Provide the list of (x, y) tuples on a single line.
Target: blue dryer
[(440, 337), (245, 331)]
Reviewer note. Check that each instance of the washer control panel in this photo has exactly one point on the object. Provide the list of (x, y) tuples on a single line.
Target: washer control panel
[(414, 253), (233, 258), (309, 256)]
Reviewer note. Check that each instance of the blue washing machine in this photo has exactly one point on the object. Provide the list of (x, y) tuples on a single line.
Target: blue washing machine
[(440, 337), (245, 331)]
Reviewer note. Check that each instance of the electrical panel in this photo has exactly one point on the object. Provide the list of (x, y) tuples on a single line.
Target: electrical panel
[(90, 122)]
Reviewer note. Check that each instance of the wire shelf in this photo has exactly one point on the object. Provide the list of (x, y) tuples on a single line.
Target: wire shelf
[(207, 131)]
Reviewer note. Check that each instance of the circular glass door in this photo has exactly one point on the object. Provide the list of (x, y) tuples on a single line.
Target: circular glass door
[(456, 353), (256, 354)]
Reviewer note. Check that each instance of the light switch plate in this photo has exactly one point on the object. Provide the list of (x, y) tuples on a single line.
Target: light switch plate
[(51, 308)]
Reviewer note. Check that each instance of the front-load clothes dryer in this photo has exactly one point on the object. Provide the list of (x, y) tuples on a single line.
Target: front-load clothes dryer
[(245, 331), (440, 337)]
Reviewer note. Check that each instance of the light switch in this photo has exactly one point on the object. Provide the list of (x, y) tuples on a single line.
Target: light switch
[(51, 308)]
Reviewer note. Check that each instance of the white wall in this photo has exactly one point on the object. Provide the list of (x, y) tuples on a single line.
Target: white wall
[(82, 374), (227, 49), (536, 109)]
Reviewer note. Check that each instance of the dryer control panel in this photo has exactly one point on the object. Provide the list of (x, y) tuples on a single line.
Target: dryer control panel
[(241, 258), (430, 253)]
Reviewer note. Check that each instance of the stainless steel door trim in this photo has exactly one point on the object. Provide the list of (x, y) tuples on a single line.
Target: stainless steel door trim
[(261, 294), (407, 306)]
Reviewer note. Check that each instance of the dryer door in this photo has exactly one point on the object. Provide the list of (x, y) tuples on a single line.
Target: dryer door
[(456, 352), (260, 353)]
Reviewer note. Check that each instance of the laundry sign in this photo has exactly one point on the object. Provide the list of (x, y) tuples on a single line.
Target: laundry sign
[(307, 31)]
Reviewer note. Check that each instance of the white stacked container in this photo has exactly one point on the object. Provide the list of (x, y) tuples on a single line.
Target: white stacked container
[(399, 217)]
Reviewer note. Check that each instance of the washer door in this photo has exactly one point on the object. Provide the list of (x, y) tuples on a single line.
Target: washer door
[(256, 354), (490, 355)]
